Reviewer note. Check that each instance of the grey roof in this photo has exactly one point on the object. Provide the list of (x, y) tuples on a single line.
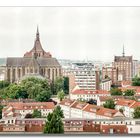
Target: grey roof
[(33, 63), (123, 58), (48, 62), (22, 61)]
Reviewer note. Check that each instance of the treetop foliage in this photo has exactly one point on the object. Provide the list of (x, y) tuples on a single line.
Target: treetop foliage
[(54, 123), (109, 104), (116, 91), (136, 81)]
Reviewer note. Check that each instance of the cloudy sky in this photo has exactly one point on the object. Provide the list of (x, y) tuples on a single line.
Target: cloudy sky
[(93, 33)]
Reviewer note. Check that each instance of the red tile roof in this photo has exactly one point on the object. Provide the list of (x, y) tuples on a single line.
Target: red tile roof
[(92, 108), (32, 105), (99, 110), (67, 102), (125, 102), (107, 112), (104, 98), (79, 105), (136, 104)]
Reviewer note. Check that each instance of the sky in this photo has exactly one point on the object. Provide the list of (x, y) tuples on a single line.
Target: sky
[(84, 33)]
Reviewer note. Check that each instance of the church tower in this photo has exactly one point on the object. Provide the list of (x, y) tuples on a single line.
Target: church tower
[(37, 50), (123, 54)]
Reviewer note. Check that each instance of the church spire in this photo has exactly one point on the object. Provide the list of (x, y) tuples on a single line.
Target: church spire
[(123, 51), (37, 33)]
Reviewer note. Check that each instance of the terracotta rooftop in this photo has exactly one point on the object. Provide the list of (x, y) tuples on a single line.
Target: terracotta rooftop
[(104, 98), (125, 102), (136, 104), (67, 102), (32, 105), (79, 105), (107, 112), (92, 108)]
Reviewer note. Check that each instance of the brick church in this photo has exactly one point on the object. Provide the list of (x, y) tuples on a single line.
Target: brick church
[(35, 63)]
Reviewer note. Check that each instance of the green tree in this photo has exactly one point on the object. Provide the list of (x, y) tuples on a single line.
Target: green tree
[(4, 84), (60, 95), (116, 91), (59, 111), (1, 107), (54, 123), (36, 114), (57, 85), (109, 104), (43, 96), (136, 81), (15, 91), (36, 88), (3, 93), (66, 85), (136, 113), (129, 92)]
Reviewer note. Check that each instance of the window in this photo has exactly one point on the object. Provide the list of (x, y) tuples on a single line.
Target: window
[(131, 129)]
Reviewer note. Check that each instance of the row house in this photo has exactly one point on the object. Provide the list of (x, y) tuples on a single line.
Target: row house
[(20, 109), (65, 106), (84, 110), (127, 106), (102, 99), (90, 111), (103, 126), (77, 108), (94, 126), (82, 94), (14, 124), (13, 128), (113, 129), (100, 126), (97, 112), (33, 124)]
